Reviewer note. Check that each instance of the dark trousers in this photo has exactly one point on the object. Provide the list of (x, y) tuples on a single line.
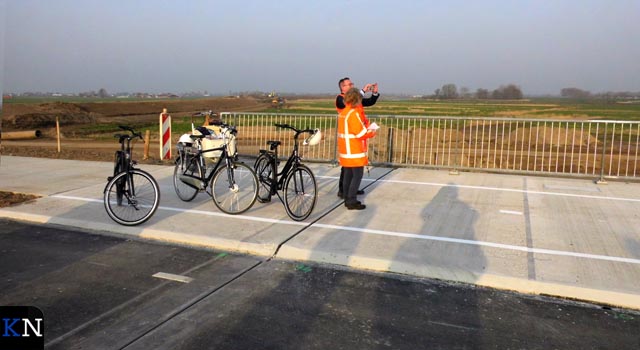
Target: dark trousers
[(351, 183)]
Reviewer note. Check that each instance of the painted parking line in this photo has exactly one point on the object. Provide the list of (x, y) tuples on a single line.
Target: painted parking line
[(511, 212), (172, 277), (481, 243), (488, 188), (199, 212), (392, 233)]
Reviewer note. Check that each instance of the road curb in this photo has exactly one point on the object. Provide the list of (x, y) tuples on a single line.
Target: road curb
[(257, 249), (520, 285), (354, 261)]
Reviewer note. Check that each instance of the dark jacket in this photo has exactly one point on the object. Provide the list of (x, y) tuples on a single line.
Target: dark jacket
[(366, 102)]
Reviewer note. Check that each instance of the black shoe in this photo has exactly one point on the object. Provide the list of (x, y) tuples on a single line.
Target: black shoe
[(356, 206), (360, 191)]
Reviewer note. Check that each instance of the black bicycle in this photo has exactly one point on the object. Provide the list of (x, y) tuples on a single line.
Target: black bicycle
[(295, 179), (132, 195), (233, 184)]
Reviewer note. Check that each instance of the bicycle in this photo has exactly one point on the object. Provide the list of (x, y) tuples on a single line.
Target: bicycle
[(131, 195), (233, 184), (296, 180)]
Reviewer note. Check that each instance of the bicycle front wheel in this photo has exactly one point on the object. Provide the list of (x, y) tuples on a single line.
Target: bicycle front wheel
[(300, 193), (140, 197), (264, 172), (190, 167), (234, 189)]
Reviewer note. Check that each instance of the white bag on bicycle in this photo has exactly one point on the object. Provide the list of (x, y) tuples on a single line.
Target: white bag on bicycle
[(216, 140)]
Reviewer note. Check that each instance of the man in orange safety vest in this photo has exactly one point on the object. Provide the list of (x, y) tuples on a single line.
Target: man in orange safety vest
[(352, 151)]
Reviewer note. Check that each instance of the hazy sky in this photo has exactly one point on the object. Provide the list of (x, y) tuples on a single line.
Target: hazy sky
[(302, 46)]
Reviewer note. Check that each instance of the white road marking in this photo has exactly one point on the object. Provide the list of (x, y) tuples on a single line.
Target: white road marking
[(172, 277), (391, 233), (481, 243), (78, 198), (487, 188), (201, 212), (511, 212)]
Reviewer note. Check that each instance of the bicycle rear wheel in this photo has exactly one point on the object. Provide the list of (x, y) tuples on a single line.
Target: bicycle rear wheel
[(190, 167), (300, 193), (234, 189), (140, 197), (264, 172)]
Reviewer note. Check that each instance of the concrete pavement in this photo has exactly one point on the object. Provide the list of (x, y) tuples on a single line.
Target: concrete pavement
[(563, 237)]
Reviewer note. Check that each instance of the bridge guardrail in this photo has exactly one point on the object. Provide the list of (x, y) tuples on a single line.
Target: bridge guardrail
[(588, 148)]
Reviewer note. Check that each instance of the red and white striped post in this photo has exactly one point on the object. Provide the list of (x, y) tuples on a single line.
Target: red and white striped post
[(165, 135)]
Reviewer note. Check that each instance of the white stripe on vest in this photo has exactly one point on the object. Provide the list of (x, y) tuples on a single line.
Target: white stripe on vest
[(348, 136)]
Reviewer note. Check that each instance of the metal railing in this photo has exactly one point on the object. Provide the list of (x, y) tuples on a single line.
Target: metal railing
[(590, 148)]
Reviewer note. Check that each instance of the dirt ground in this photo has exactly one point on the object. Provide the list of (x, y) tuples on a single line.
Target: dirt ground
[(25, 116), (42, 116), (12, 198)]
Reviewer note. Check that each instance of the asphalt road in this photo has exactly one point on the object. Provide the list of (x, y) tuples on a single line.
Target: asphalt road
[(99, 292)]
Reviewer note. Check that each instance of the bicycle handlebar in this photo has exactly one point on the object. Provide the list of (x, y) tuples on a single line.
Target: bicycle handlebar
[(298, 131), (126, 128)]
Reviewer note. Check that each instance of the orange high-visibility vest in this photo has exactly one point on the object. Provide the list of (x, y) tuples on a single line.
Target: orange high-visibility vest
[(352, 151), (360, 109)]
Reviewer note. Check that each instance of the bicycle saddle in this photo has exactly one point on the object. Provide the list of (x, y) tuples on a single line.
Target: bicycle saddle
[(273, 144), (197, 137)]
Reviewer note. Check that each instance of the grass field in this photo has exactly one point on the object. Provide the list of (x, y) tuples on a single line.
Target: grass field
[(562, 142), (535, 108), (561, 109), (530, 109)]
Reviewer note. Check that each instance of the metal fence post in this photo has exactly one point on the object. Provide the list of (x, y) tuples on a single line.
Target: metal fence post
[(407, 145), (454, 170), (390, 146), (601, 180)]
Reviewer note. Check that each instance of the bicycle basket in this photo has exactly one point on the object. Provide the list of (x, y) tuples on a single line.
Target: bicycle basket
[(216, 140)]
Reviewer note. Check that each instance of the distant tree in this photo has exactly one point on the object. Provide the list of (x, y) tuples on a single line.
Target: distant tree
[(449, 91), (574, 93), (436, 93), (509, 92), (465, 92), (102, 93), (482, 94)]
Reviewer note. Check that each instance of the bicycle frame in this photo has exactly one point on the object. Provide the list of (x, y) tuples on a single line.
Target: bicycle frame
[(205, 178), (121, 201), (127, 163), (124, 163), (278, 178)]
